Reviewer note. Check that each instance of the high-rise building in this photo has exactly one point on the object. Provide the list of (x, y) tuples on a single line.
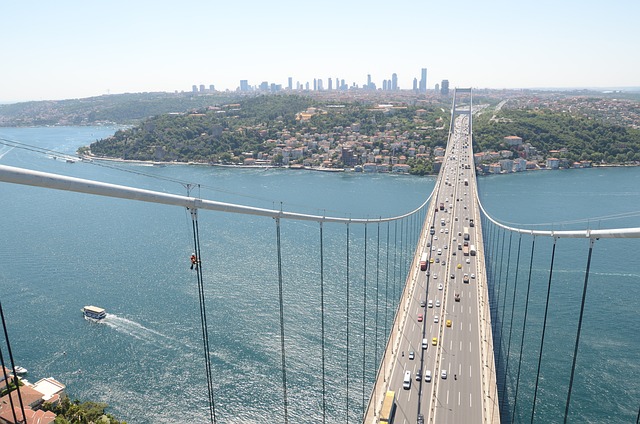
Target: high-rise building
[(320, 85), (330, 84), (194, 88), (212, 87), (290, 85), (423, 81), (415, 84), (315, 84), (384, 85), (394, 81), (437, 88), (244, 85), (202, 88), (444, 87), (368, 81)]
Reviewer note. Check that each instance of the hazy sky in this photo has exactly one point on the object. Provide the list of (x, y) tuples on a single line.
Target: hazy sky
[(71, 49)]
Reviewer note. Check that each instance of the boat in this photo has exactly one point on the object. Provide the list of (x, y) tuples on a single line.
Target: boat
[(93, 313), (20, 370)]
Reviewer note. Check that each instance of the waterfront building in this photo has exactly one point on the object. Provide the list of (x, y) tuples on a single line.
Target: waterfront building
[(506, 165), (553, 163)]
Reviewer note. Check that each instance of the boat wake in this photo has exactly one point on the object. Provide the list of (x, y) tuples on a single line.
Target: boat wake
[(4, 150), (140, 332)]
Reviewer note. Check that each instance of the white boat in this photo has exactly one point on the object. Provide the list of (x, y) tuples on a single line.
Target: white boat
[(20, 370), (93, 313)]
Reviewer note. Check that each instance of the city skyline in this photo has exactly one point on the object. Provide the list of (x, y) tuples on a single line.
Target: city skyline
[(72, 49)]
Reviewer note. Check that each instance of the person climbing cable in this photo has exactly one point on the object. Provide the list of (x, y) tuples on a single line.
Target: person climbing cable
[(194, 261)]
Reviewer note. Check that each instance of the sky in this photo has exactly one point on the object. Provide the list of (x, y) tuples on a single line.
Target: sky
[(66, 49)]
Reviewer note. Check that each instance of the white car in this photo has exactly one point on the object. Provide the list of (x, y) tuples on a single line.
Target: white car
[(473, 276), (468, 261), (438, 303), (440, 286), (436, 319), (444, 374)]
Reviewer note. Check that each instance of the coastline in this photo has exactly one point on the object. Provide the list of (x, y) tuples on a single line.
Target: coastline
[(89, 157)]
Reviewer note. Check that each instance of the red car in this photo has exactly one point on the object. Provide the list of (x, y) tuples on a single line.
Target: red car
[(419, 317)]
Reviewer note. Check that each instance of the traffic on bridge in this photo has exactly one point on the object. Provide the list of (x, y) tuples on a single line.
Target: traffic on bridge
[(435, 370)]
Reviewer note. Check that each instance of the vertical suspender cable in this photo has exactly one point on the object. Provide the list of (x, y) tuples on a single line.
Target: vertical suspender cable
[(524, 327), (504, 301), (513, 303), (499, 286), (386, 285), (575, 349), (13, 367), (324, 404), (347, 376), (364, 319), (395, 267), (544, 328), (281, 301), (377, 293), (401, 256), (203, 312)]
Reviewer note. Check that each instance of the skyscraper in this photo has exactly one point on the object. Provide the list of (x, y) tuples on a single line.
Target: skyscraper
[(415, 84), (444, 87), (394, 81), (423, 81), (244, 85), (330, 84), (290, 83)]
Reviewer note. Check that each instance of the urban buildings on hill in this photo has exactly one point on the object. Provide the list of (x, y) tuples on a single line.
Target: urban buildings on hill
[(318, 84)]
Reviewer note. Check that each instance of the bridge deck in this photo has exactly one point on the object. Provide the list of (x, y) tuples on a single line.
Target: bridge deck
[(456, 333)]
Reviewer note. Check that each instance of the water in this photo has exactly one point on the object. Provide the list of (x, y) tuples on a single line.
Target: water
[(605, 387), (62, 251)]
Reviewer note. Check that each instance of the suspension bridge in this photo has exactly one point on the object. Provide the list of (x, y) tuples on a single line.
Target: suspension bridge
[(455, 324)]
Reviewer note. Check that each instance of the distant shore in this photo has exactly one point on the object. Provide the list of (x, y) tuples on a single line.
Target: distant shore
[(318, 169)]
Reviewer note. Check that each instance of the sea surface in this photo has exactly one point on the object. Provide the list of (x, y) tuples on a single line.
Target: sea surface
[(61, 251)]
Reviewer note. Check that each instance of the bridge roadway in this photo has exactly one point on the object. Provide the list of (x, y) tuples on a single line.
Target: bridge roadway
[(457, 333)]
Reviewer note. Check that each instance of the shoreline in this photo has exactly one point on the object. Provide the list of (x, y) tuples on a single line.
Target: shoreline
[(87, 157)]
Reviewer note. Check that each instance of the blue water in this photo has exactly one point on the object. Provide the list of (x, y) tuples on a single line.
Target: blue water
[(62, 251), (605, 386)]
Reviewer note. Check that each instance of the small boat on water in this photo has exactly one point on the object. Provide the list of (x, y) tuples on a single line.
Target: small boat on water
[(20, 370), (93, 313)]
